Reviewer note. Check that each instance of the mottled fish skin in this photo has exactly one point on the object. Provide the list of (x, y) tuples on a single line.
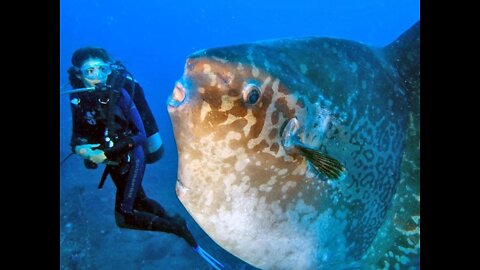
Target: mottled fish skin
[(397, 244), (269, 207)]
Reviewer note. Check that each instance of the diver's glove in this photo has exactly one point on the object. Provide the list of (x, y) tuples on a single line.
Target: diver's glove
[(120, 148), (97, 156), (85, 150)]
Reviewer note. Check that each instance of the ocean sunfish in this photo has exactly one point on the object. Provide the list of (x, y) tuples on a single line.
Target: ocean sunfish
[(303, 153)]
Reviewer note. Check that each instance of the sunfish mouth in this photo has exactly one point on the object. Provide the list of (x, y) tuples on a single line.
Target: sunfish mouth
[(180, 188), (178, 96)]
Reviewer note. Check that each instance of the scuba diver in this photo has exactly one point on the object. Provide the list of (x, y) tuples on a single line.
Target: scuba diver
[(113, 125)]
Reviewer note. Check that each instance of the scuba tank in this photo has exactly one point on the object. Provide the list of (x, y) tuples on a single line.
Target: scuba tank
[(120, 77)]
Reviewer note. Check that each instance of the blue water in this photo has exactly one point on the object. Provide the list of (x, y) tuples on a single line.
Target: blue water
[(153, 39)]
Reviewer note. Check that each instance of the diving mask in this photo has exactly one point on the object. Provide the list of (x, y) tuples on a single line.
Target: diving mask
[(95, 70)]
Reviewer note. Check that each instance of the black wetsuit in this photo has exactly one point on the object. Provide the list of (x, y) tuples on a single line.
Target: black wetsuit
[(133, 209)]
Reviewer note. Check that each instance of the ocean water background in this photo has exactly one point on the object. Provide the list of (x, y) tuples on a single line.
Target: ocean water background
[(153, 39)]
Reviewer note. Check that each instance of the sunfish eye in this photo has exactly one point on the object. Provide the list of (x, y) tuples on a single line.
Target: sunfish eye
[(251, 94)]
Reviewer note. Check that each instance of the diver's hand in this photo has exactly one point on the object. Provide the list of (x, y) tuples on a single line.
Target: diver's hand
[(97, 156), (85, 150)]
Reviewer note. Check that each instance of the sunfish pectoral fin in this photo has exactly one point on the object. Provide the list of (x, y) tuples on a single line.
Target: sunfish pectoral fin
[(323, 163)]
